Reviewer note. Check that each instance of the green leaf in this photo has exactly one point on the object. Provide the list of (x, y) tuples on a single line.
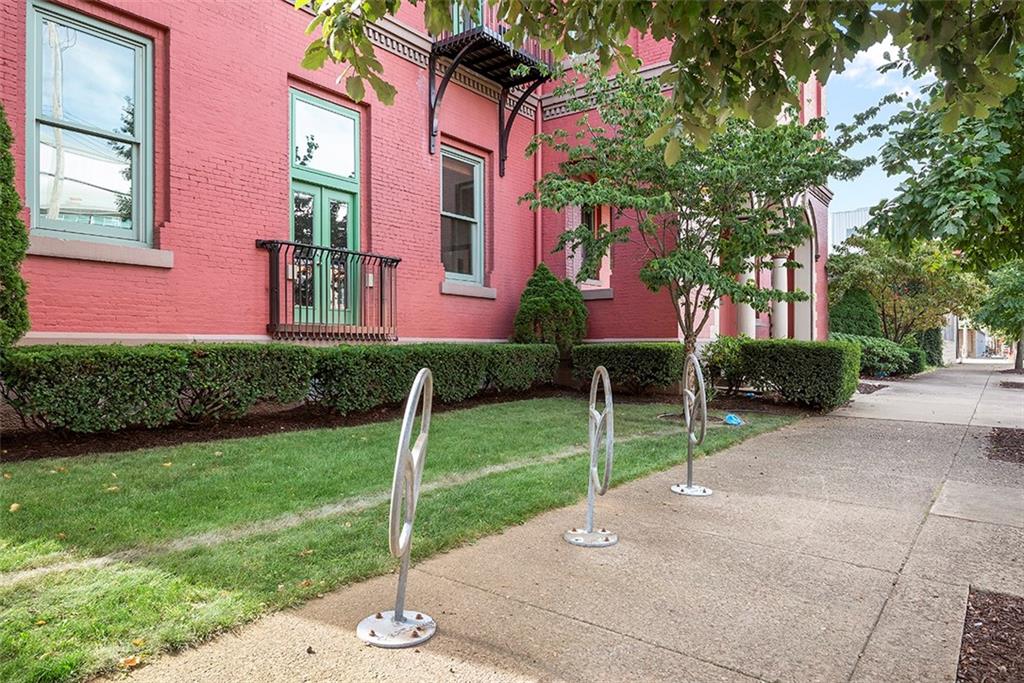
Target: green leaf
[(355, 89), (672, 151)]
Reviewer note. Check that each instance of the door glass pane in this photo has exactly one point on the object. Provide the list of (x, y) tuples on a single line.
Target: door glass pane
[(324, 140), (458, 187), (304, 212), (339, 262), (457, 245), (87, 79), (84, 178)]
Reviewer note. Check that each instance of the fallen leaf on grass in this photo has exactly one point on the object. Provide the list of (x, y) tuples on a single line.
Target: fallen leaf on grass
[(41, 622), (129, 662), (62, 470), (7, 475), (218, 452), (15, 507), (306, 553), (61, 536), (113, 489), (168, 464), (138, 642), (305, 583)]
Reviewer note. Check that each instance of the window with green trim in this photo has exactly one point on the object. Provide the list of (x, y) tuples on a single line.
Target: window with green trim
[(89, 115), (462, 215)]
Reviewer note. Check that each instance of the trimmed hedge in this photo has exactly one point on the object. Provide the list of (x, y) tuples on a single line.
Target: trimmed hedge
[(634, 367), (878, 357), (822, 375), (94, 388), (855, 313), (109, 388), (931, 342), (227, 380)]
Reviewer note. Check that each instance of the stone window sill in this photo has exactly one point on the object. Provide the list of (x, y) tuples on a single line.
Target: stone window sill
[(467, 289), (597, 294), (85, 250)]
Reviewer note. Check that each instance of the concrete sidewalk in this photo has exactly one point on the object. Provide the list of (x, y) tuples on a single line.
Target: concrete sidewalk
[(840, 548)]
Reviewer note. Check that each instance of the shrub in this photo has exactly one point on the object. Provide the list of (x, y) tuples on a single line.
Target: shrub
[(518, 367), (633, 366), (94, 388), (355, 378), (917, 361), (931, 342), (722, 362), (13, 244), (855, 313), (822, 375), (227, 380), (878, 357), (551, 311)]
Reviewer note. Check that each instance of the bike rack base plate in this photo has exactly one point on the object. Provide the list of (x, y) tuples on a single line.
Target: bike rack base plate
[(684, 490), (381, 629), (598, 538)]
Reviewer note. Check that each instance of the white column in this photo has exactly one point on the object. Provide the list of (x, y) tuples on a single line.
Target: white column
[(780, 309), (803, 280), (745, 320)]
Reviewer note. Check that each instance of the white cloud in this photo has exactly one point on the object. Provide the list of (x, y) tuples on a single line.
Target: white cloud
[(863, 72)]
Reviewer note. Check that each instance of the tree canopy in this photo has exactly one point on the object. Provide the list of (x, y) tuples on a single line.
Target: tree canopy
[(913, 289), (729, 58), (965, 181), (1002, 308), (718, 213)]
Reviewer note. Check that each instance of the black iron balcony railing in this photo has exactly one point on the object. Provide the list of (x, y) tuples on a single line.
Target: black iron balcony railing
[(477, 42), (467, 25), (322, 293)]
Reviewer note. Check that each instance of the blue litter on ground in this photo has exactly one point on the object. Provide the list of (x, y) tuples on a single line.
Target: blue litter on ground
[(733, 420)]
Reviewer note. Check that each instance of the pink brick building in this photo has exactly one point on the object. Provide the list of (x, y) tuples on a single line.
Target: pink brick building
[(185, 178)]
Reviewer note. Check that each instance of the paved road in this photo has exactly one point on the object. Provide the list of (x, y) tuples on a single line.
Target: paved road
[(840, 548)]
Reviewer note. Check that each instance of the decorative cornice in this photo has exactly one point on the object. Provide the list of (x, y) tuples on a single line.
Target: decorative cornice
[(556, 106)]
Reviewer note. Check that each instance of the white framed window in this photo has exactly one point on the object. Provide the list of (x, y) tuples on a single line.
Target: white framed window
[(462, 216), (593, 217), (89, 139)]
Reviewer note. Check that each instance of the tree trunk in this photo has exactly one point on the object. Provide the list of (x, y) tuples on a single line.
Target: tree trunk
[(1018, 362)]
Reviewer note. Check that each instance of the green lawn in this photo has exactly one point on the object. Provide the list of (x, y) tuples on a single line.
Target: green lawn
[(153, 596)]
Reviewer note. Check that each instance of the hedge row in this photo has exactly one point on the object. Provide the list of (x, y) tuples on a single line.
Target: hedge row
[(634, 367), (881, 357), (108, 388), (818, 374)]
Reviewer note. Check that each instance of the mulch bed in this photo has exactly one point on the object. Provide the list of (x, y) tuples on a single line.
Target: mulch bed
[(1012, 385), (764, 403), (29, 445), (868, 388), (1007, 444), (992, 648)]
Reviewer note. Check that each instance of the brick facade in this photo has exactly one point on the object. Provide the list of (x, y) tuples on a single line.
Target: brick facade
[(221, 86)]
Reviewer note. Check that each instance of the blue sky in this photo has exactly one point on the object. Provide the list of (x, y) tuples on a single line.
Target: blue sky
[(847, 94)]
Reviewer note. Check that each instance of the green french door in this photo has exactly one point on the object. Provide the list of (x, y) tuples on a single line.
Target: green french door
[(325, 283)]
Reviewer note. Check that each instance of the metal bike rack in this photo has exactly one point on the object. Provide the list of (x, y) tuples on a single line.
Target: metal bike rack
[(600, 424), (695, 409), (400, 627)]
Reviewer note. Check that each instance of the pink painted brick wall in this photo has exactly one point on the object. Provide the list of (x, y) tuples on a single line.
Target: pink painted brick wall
[(221, 94), (221, 180)]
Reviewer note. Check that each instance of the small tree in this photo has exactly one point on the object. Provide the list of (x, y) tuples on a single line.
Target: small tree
[(703, 219), (1002, 308), (855, 313), (551, 311), (914, 290), (13, 245)]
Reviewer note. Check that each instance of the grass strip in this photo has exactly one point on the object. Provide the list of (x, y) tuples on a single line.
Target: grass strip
[(72, 625)]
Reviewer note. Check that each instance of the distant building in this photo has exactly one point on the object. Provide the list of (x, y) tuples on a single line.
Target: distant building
[(842, 225)]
